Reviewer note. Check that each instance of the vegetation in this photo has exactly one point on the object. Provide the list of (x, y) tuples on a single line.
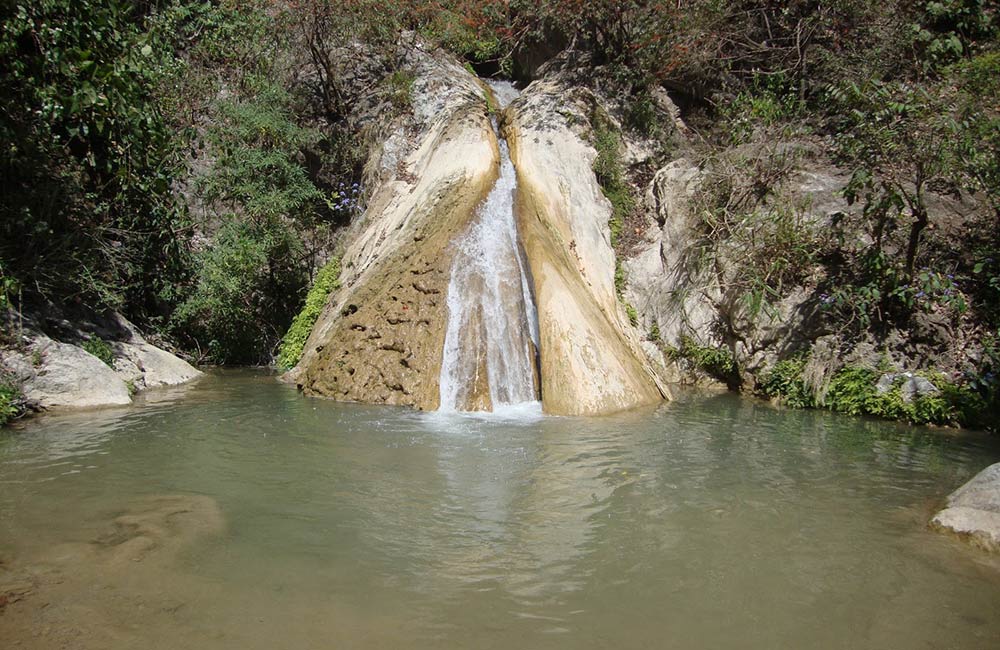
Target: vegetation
[(134, 133), (858, 390), (11, 400), (784, 383), (327, 280), (88, 157), (247, 287), (100, 349), (717, 362)]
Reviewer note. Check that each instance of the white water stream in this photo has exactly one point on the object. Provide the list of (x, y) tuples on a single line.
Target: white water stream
[(492, 336)]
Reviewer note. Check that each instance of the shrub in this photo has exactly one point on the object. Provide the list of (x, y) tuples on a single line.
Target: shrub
[(654, 332), (88, 158), (11, 399), (258, 147), (852, 391), (784, 382), (633, 315), (248, 287), (327, 280), (717, 362), (400, 85)]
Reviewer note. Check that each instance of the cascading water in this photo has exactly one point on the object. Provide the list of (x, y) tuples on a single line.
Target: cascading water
[(491, 345)]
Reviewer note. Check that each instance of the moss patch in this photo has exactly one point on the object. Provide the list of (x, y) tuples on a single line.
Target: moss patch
[(327, 280)]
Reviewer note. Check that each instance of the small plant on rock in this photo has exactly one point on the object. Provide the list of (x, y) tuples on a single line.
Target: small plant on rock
[(100, 349)]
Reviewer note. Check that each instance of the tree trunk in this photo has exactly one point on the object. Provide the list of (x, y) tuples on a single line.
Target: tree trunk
[(916, 229)]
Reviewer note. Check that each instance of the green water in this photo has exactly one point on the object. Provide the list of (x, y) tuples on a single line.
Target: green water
[(712, 522)]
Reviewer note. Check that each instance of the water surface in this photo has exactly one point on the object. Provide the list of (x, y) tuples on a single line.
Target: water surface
[(299, 523)]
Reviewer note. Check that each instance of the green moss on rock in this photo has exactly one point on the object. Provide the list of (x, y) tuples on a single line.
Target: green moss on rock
[(327, 280)]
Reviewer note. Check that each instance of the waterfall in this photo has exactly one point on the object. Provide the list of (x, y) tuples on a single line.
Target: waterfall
[(490, 355)]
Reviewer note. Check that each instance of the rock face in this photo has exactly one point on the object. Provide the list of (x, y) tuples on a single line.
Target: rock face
[(973, 511), (672, 287), (381, 335), (591, 359), (54, 374)]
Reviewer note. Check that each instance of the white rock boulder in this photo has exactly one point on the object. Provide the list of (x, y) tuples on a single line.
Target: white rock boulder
[(973, 511)]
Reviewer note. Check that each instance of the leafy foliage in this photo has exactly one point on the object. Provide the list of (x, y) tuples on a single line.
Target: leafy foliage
[(248, 287), (717, 362), (784, 382), (611, 175), (88, 159), (11, 399), (854, 390), (258, 147), (327, 280), (756, 239), (100, 349)]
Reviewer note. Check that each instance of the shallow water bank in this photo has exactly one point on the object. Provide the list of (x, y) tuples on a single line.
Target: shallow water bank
[(245, 515)]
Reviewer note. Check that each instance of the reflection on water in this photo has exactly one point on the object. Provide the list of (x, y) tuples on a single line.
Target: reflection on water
[(712, 521)]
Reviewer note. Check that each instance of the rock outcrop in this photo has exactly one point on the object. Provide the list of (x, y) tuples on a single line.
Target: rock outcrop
[(56, 373), (672, 287), (381, 335), (973, 511), (591, 358)]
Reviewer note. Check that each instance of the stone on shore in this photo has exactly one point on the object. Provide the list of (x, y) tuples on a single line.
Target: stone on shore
[(973, 511)]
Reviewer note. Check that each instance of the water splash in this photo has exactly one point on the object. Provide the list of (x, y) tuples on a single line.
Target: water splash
[(491, 345)]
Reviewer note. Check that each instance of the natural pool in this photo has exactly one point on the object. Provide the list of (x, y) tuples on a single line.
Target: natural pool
[(239, 514)]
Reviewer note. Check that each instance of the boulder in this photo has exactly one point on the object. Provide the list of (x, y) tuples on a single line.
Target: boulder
[(56, 374), (912, 386), (973, 511), (156, 367)]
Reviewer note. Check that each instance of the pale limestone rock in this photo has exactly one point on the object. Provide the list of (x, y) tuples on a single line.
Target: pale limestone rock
[(55, 374), (381, 335), (666, 283), (591, 357), (157, 367), (973, 511)]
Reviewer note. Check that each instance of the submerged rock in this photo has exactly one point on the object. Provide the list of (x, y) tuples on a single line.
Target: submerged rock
[(973, 511)]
